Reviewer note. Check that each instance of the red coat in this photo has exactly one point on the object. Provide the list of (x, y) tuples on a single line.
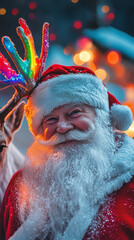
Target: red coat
[(114, 221)]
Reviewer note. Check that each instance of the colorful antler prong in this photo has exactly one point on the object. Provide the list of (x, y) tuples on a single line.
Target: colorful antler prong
[(11, 50), (29, 70), (45, 41), (5, 67), (44, 49), (15, 80), (23, 24), (29, 36), (25, 41)]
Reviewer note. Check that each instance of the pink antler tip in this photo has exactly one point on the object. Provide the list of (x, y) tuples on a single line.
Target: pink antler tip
[(47, 24), (22, 21)]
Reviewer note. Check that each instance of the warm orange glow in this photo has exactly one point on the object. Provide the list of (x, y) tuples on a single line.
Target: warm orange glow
[(105, 9), (2, 11), (113, 57), (77, 60), (130, 105), (92, 66), (101, 73), (130, 93), (74, 1), (24, 192), (86, 56), (130, 131), (119, 70), (68, 50)]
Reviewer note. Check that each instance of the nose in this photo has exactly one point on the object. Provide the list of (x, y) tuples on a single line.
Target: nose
[(64, 126)]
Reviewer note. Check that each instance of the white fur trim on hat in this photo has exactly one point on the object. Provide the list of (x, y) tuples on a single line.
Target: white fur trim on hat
[(121, 117), (65, 88)]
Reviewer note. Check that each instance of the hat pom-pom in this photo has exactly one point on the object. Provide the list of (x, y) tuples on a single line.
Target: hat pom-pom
[(121, 116)]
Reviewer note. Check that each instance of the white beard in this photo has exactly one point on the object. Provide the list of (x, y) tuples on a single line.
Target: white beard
[(61, 180)]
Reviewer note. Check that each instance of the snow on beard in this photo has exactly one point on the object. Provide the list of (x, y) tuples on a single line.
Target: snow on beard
[(62, 179)]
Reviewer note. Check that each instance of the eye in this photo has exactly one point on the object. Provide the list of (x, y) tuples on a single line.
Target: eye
[(2, 147), (75, 113), (51, 120)]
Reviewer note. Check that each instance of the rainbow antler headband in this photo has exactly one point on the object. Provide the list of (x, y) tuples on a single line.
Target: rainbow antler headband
[(29, 70)]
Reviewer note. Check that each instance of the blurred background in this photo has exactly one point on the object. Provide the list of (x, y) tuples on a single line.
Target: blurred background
[(98, 34)]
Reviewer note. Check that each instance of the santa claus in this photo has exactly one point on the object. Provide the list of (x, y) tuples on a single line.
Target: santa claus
[(77, 182)]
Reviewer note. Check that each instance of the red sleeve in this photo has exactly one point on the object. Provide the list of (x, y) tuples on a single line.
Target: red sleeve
[(9, 221)]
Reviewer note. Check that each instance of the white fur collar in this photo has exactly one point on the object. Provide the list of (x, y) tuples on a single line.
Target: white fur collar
[(122, 172)]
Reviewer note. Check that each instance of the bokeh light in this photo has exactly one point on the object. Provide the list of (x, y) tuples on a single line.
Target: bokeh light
[(105, 9), (86, 56), (77, 24), (101, 73), (52, 36), (110, 16), (32, 15), (92, 66), (15, 11), (130, 92), (113, 57), (119, 70), (2, 11), (74, 1), (32, 5), (77, 59), (84, 43), (68, 50), (130, 131)]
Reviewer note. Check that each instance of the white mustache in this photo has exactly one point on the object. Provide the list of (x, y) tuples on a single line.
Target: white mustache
[(71, 135)]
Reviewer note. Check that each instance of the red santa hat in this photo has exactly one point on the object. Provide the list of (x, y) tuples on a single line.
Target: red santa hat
[(60, 85)]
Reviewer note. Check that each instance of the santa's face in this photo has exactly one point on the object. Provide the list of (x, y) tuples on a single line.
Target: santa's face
[(68, 117)]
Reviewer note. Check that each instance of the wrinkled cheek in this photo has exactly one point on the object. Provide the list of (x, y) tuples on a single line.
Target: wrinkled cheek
[(85, 125)]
